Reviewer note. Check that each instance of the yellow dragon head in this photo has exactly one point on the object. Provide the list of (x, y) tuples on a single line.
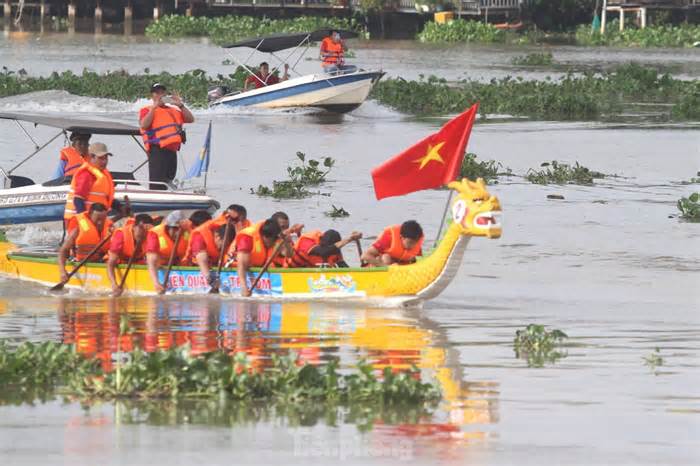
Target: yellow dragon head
[(475, 211)]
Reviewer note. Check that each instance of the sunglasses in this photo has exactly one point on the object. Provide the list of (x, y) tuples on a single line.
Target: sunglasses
[(101, 156)]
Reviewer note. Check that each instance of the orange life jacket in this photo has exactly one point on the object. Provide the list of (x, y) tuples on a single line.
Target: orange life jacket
[(397, 251), (206, 230), (303, 247), (102, 190), (89, 237), (166, 243), (165, 128), (260, 253), (331, 52), (73, 159), (129, 248)]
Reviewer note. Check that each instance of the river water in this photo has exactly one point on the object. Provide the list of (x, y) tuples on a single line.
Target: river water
[(607, 265)]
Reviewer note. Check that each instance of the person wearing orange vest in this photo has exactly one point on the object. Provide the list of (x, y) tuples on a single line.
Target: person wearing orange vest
[(332, 54), (161, 241), (127, 242), (253, 247), (314, 248), (85, 231), (91, 183), (74, 155), (237, 215), (161, 126), (398, 244), (206, 243)]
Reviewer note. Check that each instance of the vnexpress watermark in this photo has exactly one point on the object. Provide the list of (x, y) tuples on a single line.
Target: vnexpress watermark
[(308, 445)]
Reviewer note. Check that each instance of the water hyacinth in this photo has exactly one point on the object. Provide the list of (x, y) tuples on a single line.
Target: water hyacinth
[(228, 29), (539, 346), (664, 35), (177, 374), (561, 173), (460, 30)]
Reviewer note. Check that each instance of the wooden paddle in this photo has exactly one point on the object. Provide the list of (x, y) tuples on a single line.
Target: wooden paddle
[(267, 264), (59, 286), (359, 252), (128, 266), (171, 261), (224, 247)]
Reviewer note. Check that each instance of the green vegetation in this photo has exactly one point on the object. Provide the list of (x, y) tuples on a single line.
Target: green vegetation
[(690, 207), (460, 30), (684, 35), (587, 96), (654, 359), (337, 212), (228, 29), (488, 170), (534, 59), (561, 173), (300, 178), (176, 374), (538, 345)]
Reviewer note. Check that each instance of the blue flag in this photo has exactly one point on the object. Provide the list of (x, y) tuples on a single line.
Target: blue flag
[(201, 165)]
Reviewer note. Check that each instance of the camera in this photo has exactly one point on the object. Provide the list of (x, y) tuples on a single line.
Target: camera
[(167, 99)]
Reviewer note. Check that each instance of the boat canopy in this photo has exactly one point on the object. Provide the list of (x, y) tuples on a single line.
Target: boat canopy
[(75, 124), (276, 42)]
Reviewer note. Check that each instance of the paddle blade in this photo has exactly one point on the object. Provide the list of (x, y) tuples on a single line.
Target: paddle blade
[(57, 287)]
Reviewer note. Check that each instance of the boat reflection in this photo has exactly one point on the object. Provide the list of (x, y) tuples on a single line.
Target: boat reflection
[(316, 332)]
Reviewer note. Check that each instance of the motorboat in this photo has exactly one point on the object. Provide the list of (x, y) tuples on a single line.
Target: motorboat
[(22, 201), (337, 92)]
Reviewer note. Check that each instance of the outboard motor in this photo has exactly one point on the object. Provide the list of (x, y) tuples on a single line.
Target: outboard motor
[(216, 92)]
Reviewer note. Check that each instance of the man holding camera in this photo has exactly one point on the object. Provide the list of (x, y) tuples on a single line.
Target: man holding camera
[(161, 126)]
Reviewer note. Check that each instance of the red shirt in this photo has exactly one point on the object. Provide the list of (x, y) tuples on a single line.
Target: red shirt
[(117, 243), (383, 243), (271, 79), (244, 243), (197, 245), (173, 147), (83, 182), (152, 243)]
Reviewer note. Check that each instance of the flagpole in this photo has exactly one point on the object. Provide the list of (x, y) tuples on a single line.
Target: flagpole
[(208, 158), (444, 214)]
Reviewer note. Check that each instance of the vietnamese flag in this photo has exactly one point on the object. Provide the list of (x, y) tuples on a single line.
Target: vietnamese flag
[(431, 163)]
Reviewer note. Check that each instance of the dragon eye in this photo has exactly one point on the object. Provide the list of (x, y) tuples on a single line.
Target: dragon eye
[(459, 211)]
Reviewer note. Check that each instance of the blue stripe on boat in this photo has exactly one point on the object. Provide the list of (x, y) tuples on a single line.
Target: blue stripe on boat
[(300, 89)]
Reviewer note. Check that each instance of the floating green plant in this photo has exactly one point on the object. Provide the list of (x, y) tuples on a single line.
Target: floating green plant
[(461, 31), (654, 359), (538, 345), (489, 170), (561, 173), (664, 35), (177, 374), (227, 29), (690, 207), (301, 177), (337, 212), (534, 59)]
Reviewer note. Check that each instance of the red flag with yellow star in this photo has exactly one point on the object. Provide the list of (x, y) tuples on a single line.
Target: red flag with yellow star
[(431, 163)]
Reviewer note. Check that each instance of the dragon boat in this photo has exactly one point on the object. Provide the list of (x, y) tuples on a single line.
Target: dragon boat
[(474, 212)]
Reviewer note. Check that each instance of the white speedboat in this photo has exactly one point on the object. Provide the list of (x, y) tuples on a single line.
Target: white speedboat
[(23, 201), (338, 92)]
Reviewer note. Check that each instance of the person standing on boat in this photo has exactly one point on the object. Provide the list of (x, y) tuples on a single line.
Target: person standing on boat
[(398, 244), (92, 183), (74, 155), (85, 231), (127, 242), (264, 78), (332, 54), (161, 241), (161, 126)]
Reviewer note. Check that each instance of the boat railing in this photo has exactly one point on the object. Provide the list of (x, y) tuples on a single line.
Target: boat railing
[(126, 184)]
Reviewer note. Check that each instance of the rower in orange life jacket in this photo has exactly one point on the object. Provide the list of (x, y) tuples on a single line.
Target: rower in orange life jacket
[(313, 249), (161, 126), (398, 244), (85, 231), (206, 243), (161, 241), (127, 243), (332, 54), (74, 155), (91, 183), (237, 215), (253, 246)]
